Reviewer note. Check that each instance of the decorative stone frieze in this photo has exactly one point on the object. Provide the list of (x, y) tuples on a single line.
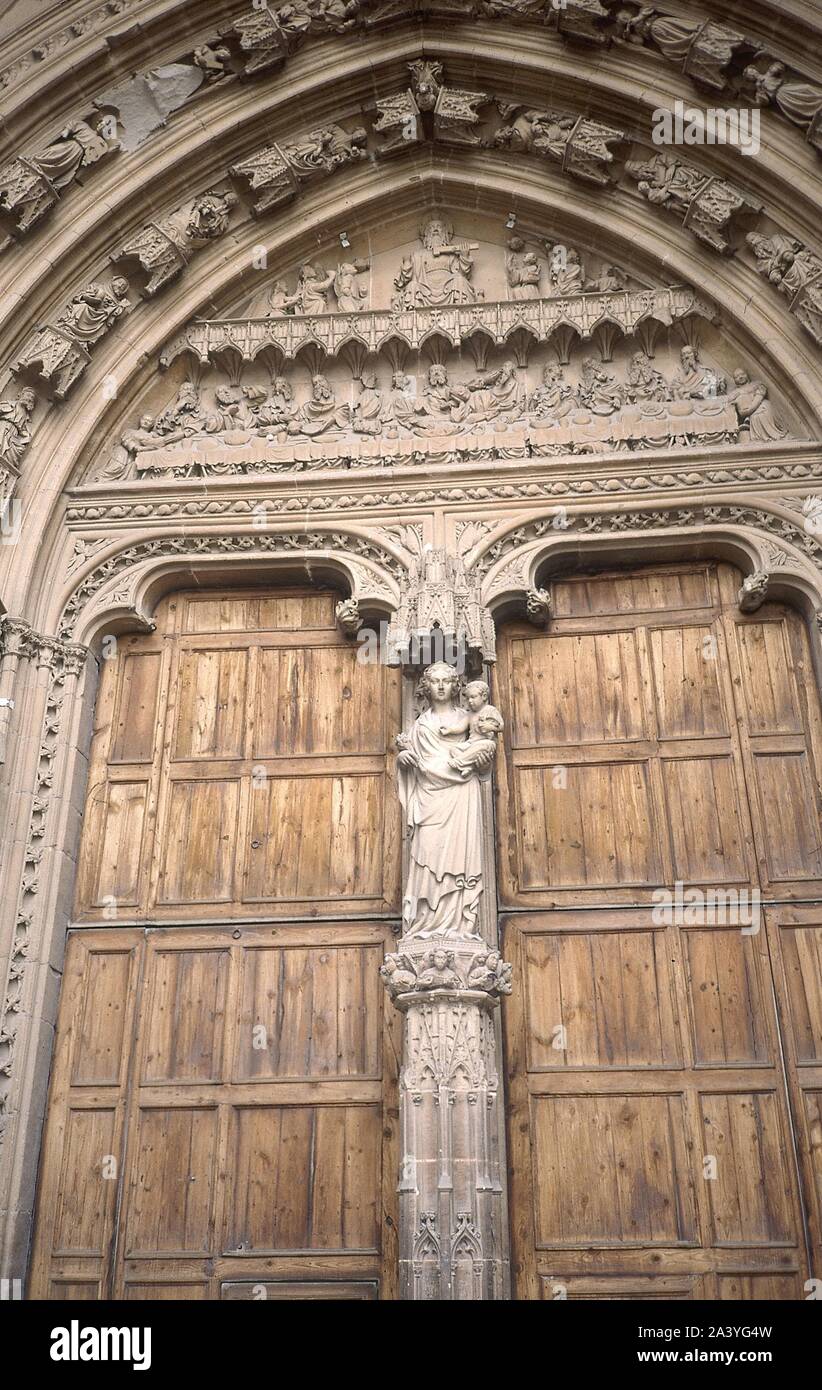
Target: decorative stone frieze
[(257, 543), (456, 322), (353, 416), (64, 662)]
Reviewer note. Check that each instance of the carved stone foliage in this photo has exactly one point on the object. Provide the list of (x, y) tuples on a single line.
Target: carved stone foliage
[(58, 353), (796, 271), (770, 525), (162, 249), (289, 543), (715, 210)]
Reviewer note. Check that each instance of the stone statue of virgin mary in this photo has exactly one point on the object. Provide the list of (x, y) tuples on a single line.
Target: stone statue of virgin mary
[(441, 763)]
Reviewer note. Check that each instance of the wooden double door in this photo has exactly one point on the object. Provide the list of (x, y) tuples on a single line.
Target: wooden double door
[(663, 1064), (222, 1115)]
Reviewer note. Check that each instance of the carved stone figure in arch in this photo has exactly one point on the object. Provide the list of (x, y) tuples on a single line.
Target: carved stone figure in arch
[(440, 273)]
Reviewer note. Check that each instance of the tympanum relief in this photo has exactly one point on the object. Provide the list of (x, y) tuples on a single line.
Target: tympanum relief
[(448, 343)]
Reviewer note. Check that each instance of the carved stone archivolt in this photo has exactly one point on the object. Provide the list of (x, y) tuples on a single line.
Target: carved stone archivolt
[(162, 249), (327, 308), (374, 572)]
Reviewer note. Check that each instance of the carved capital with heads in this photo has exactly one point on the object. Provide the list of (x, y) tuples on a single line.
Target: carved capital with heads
[(425, 970)]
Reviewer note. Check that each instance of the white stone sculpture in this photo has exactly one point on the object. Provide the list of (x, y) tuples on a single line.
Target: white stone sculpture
[(443, 808)]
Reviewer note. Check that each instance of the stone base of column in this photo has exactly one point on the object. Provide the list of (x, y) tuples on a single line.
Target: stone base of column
[(452, 1234)]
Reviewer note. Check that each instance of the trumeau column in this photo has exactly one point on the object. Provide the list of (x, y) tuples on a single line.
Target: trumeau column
[(446, 980)]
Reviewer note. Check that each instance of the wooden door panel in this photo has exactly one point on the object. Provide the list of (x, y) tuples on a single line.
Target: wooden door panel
[(611, 1169), (239, 768), (719, 707), (184, 1035), (704, 815), (309, 1013), (688, 691), (233, 1101), (577, 689), (341, 709), (795, 943), (82, 1154), (201, 833), (316, 837), (170, 1187), (671, 1155), (727, 985), (586, 826), (211, 703), (307, 1178), (567, 1023), (791, 826), (137, 708), (665, 1071), (750, 1196)]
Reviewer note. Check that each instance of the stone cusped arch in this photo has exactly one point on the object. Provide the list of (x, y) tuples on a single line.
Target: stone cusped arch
[(760, 537)]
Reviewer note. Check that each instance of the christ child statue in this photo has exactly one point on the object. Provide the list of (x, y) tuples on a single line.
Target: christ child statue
[(483, 723)]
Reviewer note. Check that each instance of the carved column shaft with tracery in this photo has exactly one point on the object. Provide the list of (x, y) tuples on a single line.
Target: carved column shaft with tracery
[(447, 981)]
